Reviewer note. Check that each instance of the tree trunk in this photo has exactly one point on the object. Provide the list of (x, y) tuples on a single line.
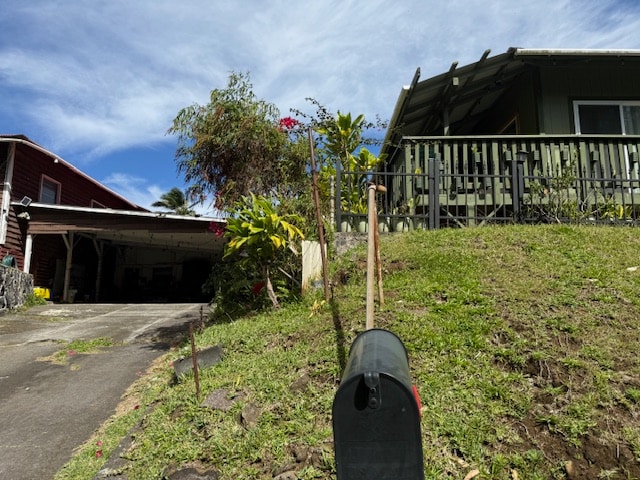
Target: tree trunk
[(270, 292)]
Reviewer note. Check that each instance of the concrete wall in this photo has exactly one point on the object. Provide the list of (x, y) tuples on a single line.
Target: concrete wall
[(15, 287)]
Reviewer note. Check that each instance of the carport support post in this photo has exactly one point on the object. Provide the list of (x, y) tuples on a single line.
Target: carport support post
[(28, 250), (67, 270), (99, 246)]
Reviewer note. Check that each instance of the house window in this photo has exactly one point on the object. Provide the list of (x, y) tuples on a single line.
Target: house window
[(49, 191), (607, 117)]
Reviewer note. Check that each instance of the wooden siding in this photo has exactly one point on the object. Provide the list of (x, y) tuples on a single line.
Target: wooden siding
[(49, 249), (75, 188), (561, 86), (518, 101)]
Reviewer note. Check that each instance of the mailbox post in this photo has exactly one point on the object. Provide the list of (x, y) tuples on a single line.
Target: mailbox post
[(376, 418)]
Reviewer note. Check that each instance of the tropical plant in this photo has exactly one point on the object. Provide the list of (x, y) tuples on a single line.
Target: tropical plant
[(342, 140), (338, 139), (257, 234), (238, 144), (175, 201)]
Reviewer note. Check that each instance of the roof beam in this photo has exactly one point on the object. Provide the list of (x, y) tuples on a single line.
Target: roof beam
[(448, 95)]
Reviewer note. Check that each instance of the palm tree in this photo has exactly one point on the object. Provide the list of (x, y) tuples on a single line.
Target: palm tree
[(176, 202)]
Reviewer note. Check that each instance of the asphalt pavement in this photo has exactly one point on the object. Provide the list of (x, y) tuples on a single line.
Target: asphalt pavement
[(47, 410)]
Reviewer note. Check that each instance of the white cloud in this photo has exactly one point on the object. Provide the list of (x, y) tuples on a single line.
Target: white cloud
[(96, 77), (139, 191), (134, 189)]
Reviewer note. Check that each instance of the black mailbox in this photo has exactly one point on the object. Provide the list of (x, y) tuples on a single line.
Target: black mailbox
[(376, 419)]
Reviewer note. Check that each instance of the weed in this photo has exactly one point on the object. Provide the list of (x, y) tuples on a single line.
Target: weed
[(79, 347), (33, 300), (633, 394)]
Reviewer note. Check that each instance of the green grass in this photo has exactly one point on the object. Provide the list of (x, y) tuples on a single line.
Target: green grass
[(80, 346), (522, 342)]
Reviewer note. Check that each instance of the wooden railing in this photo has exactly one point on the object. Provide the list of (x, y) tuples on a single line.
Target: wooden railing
[(468, 181)]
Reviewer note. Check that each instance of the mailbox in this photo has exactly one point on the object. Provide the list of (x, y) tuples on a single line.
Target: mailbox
[(376, 417)]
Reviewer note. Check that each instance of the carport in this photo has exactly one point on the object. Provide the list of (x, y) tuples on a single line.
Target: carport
[(103, 227)]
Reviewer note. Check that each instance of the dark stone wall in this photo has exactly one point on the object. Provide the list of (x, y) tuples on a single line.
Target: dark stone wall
[(15, 287)]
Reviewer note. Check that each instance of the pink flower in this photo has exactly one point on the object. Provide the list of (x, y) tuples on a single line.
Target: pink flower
[(98, 453), (217, 229), (287, 123)]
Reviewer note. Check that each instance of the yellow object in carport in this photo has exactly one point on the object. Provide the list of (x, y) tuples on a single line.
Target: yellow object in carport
[(42, 292)]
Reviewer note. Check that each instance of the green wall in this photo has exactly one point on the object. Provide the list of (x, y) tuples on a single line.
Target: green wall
[(560, 86)]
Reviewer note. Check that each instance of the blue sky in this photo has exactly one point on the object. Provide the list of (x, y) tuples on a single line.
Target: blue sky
[(98, 82)]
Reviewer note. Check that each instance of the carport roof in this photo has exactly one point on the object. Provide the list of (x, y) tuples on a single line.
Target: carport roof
[(124, 227)]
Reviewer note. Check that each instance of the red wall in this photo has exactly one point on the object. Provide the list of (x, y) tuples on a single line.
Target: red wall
[(76, 189)]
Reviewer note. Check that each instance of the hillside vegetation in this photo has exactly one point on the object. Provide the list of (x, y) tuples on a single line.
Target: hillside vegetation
[(523, 344)]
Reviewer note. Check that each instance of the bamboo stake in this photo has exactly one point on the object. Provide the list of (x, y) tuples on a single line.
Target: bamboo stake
[(378, 264), (371, 254), (374, 262)]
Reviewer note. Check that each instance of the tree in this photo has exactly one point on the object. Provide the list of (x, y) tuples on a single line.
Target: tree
[(175, 201), (237, 144)]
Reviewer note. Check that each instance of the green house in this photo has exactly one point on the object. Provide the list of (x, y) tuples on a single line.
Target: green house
[(527, 135)]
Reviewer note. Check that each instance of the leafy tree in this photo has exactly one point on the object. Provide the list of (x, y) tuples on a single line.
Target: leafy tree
[(340, 139), (237, 144), (175, 201), (257, 235)]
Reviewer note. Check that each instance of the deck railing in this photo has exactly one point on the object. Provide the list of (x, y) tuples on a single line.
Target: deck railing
[(472, 181)]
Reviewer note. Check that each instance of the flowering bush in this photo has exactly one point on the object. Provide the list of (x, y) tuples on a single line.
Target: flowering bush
[(287, 124), (217, 228)]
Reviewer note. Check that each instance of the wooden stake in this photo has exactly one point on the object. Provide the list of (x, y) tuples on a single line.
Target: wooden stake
[(316, 200), (371, 254), (194, 356), (378, 264)]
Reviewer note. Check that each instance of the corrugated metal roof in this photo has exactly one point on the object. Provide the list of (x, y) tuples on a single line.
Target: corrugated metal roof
[(125, 227), (459, 97)]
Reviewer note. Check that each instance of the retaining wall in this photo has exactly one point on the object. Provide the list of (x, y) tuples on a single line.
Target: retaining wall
[(15, 287)]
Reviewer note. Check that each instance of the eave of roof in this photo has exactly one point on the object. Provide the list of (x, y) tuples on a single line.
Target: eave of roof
[(549, 52), (124, 213), (136, 228)]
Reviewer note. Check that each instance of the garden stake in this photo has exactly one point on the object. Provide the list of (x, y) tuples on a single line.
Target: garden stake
[(371, 254), (194, 356), (316, 200), (379, 188)]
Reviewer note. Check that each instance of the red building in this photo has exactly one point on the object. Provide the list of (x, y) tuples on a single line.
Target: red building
[(87, 243)]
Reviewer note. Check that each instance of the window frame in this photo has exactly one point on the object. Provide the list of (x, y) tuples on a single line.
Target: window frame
[(46, 179), (618, 103)]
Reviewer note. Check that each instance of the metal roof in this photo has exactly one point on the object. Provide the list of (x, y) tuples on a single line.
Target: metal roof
[(125, 227), (464, 94)]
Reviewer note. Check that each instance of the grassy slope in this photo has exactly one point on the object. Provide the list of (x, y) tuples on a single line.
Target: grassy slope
[(522, 341)]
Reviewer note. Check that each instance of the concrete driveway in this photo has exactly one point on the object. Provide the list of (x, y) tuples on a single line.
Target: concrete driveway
[(47, 410)]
